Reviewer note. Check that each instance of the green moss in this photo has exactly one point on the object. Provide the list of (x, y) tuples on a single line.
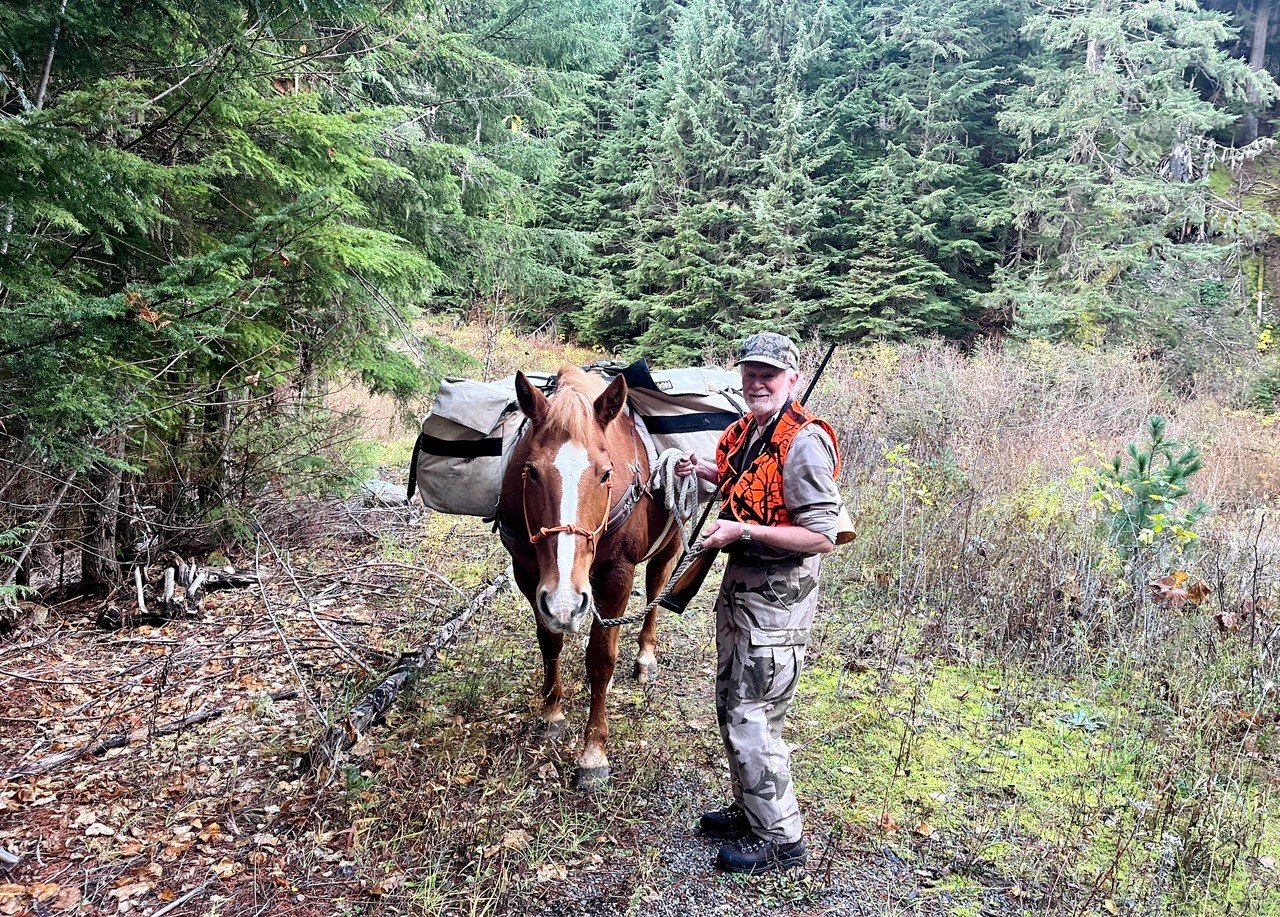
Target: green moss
[(1219, 180), (1041, 778)]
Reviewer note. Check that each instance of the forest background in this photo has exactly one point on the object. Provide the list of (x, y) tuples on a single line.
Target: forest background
[(208, 212), (1036, 226)]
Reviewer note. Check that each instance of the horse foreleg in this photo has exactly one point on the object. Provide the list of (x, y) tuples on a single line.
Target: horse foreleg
[(552, 688), (551, 645), (656, 574), (602, 656)]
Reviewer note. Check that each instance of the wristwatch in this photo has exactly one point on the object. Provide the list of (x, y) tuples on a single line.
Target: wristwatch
[(746, 534)]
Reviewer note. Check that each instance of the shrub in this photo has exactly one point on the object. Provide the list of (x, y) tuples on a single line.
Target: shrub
[(1145, 519)]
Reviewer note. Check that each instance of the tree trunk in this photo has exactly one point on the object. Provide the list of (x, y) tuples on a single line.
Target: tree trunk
[(99, 553), (216, 442), (1257, 63)]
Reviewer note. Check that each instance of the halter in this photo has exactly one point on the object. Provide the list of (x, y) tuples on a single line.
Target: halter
[(572, 528), (614, 515)]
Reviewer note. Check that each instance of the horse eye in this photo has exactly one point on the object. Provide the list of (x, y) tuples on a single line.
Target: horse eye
[(531, 472), (604, 478)]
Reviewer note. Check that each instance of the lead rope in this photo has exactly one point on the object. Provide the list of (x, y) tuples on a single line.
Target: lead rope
[(680, 497)]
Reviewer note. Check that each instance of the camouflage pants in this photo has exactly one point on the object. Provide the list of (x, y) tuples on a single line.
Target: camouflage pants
[(763, 619)]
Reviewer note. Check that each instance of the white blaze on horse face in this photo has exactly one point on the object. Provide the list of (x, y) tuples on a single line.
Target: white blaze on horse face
[(572, 462)]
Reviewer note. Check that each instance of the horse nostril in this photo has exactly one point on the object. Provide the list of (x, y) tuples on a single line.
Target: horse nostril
[(585, 605), (542, 603)]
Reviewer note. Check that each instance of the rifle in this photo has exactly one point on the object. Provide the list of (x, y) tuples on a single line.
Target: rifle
[(695, 563)]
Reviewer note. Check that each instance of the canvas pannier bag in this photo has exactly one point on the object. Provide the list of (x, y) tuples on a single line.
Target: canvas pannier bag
[(465, 443), (686, 409), (467, 439)]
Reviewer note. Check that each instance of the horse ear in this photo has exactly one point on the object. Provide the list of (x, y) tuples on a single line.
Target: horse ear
[(611, 400), (532, 401)]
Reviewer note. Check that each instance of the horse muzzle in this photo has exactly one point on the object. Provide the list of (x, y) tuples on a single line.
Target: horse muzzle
[(565, 611)]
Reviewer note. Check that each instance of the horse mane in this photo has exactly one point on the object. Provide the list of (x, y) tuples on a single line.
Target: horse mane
[(572, 405)]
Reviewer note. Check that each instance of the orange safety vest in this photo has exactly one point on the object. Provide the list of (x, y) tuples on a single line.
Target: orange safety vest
[(754, 494)]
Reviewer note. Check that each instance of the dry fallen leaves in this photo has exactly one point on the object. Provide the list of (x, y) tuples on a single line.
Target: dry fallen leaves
[(1228, 622), (887, 823), (552, 871), (1178, 590), (515, 839), (225, 868)]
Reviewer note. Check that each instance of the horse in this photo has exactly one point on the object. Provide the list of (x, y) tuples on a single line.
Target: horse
[(577, 516)]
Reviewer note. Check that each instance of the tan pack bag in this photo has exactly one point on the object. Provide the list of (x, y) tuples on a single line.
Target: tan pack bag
[(465, 443)]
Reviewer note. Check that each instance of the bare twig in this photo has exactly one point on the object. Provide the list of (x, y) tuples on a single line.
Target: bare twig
[(35, 533), (122, 739), (306, 600), (427, 570), (175, 903), (288, 651)]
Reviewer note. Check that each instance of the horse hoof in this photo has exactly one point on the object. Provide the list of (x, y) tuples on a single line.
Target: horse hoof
[(552, 730), (646, 674), (590, 778)]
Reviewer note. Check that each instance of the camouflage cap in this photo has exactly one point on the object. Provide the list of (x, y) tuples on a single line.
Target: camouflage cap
[(771, 348)]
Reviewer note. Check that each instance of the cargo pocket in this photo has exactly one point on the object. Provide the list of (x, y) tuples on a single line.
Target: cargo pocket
[(771, 673), (759, 673), (779, 636)]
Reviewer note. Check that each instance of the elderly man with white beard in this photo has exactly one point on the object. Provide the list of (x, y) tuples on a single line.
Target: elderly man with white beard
[(776, 472)]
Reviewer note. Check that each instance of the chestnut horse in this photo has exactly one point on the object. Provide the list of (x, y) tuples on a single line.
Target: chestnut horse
[(577, 517)]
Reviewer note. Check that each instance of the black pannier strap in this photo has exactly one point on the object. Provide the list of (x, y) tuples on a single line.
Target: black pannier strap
[(689, 423), (460, 448)]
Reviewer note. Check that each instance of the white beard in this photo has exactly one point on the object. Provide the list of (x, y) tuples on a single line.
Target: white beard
[(767, 405)]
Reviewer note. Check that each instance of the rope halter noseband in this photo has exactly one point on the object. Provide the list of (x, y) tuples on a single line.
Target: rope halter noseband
[(571, 528)]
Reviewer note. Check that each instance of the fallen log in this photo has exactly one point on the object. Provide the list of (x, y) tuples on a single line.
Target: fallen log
[(340, 737), (123, 739)]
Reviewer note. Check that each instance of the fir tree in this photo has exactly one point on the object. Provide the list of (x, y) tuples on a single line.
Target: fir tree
[(1116, 128)]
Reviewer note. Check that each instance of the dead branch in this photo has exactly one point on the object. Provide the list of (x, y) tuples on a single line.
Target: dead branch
[(39, 529), (178, 902), (328, 747), (284, 641), (311, 608), (170, 602), (123, 739)]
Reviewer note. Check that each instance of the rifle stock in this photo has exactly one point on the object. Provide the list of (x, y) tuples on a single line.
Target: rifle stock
[(680, 593)]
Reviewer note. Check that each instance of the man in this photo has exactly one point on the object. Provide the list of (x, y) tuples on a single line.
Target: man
[(776, 470)]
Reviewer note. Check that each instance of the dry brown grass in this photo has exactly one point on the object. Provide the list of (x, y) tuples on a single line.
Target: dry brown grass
[(970, 477)]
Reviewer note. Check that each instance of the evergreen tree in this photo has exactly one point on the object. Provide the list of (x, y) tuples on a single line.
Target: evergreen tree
[(1116, 129), (913, 189), (206, 211)]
